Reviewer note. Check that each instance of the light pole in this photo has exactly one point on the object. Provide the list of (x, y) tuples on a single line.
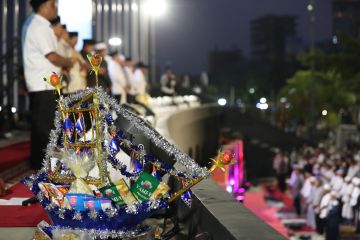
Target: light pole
[(310, 8), (154, 10)]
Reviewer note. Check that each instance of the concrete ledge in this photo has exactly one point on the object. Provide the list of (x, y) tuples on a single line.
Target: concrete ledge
[(214, 211)]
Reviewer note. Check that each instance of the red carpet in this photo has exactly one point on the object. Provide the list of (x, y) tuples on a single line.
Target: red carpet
[(21, 216), (284, 197), (256, 203), (13, 155)]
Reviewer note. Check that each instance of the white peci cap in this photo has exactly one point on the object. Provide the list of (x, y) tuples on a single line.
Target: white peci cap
[(327, 187), (100, 46)]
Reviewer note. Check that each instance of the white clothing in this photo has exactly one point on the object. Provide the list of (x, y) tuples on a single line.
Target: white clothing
[(352, 171), (168, 83), (77, 77), (346, 191), (354, 196), (320, 158), (327, 174), (138, 83), (318, 194), (107, 58), (117, 78), (336, 183), (347, 211), (306, 189), (129, 75), (64, 49), (310, 215), (324, 205), (40, 40)]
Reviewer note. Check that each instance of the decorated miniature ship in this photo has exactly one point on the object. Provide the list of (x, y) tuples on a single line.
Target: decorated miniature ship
[(86, 139)]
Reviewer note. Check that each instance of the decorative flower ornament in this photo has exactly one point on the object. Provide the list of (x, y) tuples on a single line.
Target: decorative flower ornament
[(95, 61), (54, 81), (223, 159)]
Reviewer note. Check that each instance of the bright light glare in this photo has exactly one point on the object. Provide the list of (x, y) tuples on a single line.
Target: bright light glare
[(262, 106), (262, 100), (229, 189), (335, 39), (283, 99), (324, 112), (69, 11), (13, 109), (310, 7), (119, 7), (222, 101), (134, 7), (0, 108), (240, 198), (106, 7), (251, 90), (115, 41), (232, 182), (155, 8)]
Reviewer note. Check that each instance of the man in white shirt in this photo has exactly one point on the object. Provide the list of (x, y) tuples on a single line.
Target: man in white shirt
[(337, 181), (346, 191), (128, 71), (40, 60), (65, 50), (138, 84), (353, 169), (79, 71), (318, 194), (324, 203), (117, 76)]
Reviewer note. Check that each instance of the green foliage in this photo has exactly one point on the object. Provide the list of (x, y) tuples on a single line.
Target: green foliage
[(331, 94), (336, 80)]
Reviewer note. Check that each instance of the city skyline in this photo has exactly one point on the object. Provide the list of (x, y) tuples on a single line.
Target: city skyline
[(190, 29)]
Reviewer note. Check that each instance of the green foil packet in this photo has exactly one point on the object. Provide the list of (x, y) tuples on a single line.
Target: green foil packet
[(144, 187), (112, 193)]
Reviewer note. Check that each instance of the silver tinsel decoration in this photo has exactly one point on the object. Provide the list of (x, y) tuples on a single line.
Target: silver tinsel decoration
[(30, 183), (132, 209), (154, 204), (104, 234), (50, 206), (39, 196), (61, 213), (77, 216), (192, 167), (111, 212), (93, 214)]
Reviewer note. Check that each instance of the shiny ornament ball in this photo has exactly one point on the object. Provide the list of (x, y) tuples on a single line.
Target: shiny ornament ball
[(54, 79)]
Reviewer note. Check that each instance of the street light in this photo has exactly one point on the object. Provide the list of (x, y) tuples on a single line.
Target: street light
[(312, 89), (154, 9), (222, 101), (115, 41)]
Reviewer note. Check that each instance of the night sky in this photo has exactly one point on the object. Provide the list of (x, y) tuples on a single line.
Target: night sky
[(191, 27)]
